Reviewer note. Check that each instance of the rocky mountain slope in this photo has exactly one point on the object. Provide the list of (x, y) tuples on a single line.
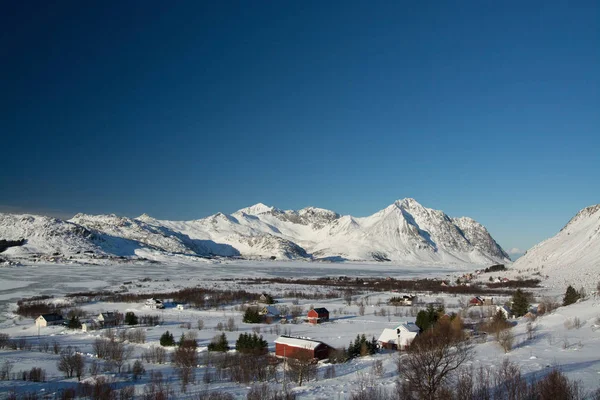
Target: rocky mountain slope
[(571, 257), (405, 231)]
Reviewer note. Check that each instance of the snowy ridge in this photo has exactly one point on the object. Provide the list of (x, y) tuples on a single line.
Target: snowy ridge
[(571, 257), (404, 231)]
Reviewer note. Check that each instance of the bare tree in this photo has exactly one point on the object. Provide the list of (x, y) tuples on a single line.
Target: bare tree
[(506, 339), (71, 363), (185, 359), (302, 368), (432, 359), (119, 354), (531, 328)]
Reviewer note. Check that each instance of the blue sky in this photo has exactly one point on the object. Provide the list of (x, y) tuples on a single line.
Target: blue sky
[(490, 110)]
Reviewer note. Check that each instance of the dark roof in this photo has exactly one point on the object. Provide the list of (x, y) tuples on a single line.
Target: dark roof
[(321, 310), (52, 317)]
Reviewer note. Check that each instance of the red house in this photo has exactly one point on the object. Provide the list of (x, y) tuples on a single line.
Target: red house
[(318, 315), (306, 349)]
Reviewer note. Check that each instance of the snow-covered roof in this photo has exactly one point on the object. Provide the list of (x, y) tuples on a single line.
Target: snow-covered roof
[(391, 336), (409, 327), (297, 342)]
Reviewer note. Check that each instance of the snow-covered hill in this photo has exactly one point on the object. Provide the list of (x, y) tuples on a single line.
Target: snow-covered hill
[(404, 231), (572, 257)]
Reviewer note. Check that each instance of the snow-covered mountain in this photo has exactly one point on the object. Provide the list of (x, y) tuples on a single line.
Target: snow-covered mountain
[(572, 257), (404, 231)]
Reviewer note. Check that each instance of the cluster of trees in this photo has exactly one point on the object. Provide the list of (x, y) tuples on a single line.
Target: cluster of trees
[(113, 350), (251, 344), (219, 343), (361, 347), (495, 268), (428, 317), (252, 316), (71, 363)]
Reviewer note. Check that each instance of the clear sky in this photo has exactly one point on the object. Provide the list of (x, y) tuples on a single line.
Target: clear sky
[(182, 109)]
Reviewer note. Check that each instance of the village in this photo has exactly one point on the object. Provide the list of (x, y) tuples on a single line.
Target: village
[(302, 332)]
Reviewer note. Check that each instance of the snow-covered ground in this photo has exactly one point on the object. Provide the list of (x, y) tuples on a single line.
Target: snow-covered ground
[(575, 351)]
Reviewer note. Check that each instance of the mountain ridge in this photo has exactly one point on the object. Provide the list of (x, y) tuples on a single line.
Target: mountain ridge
[(405, 231)]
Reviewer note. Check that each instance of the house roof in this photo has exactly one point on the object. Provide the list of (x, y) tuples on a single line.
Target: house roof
[(409, 327), (272, 310), (52, 317), (297, 342), (391, 336), (321, 310)]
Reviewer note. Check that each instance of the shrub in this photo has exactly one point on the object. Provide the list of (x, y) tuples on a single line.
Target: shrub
[(571, 296), (167, 339), (131, 318)]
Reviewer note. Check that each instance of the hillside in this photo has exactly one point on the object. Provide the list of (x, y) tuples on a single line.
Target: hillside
[(571, 257)]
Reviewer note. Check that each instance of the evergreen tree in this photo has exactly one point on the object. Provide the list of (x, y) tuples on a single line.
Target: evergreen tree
[(251, 316), (74, 323), (422, 320), (571, 296), (167, 339), (253, 344), (520, 303), (219, 343), (131, 318)]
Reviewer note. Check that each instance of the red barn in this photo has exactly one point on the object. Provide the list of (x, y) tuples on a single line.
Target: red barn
[(318, 315), (306, 349)]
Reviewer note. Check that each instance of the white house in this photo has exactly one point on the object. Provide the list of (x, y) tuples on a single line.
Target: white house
[(505, 310), (399, 337), (154, 303), (48, 319)]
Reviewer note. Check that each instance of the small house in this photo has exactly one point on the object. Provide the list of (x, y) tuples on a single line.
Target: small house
[(107, 319), (154, 304), (49, 319), (400, 337), (481, 301), (306, 349), (505, 310), (318, 315), (269, 311)]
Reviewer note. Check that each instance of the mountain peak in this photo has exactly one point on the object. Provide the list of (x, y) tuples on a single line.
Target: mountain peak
[(258, 208), (408, 202), (144, 217)]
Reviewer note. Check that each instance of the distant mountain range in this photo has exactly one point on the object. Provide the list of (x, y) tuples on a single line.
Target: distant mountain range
[(405, 231), (571, 257)]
